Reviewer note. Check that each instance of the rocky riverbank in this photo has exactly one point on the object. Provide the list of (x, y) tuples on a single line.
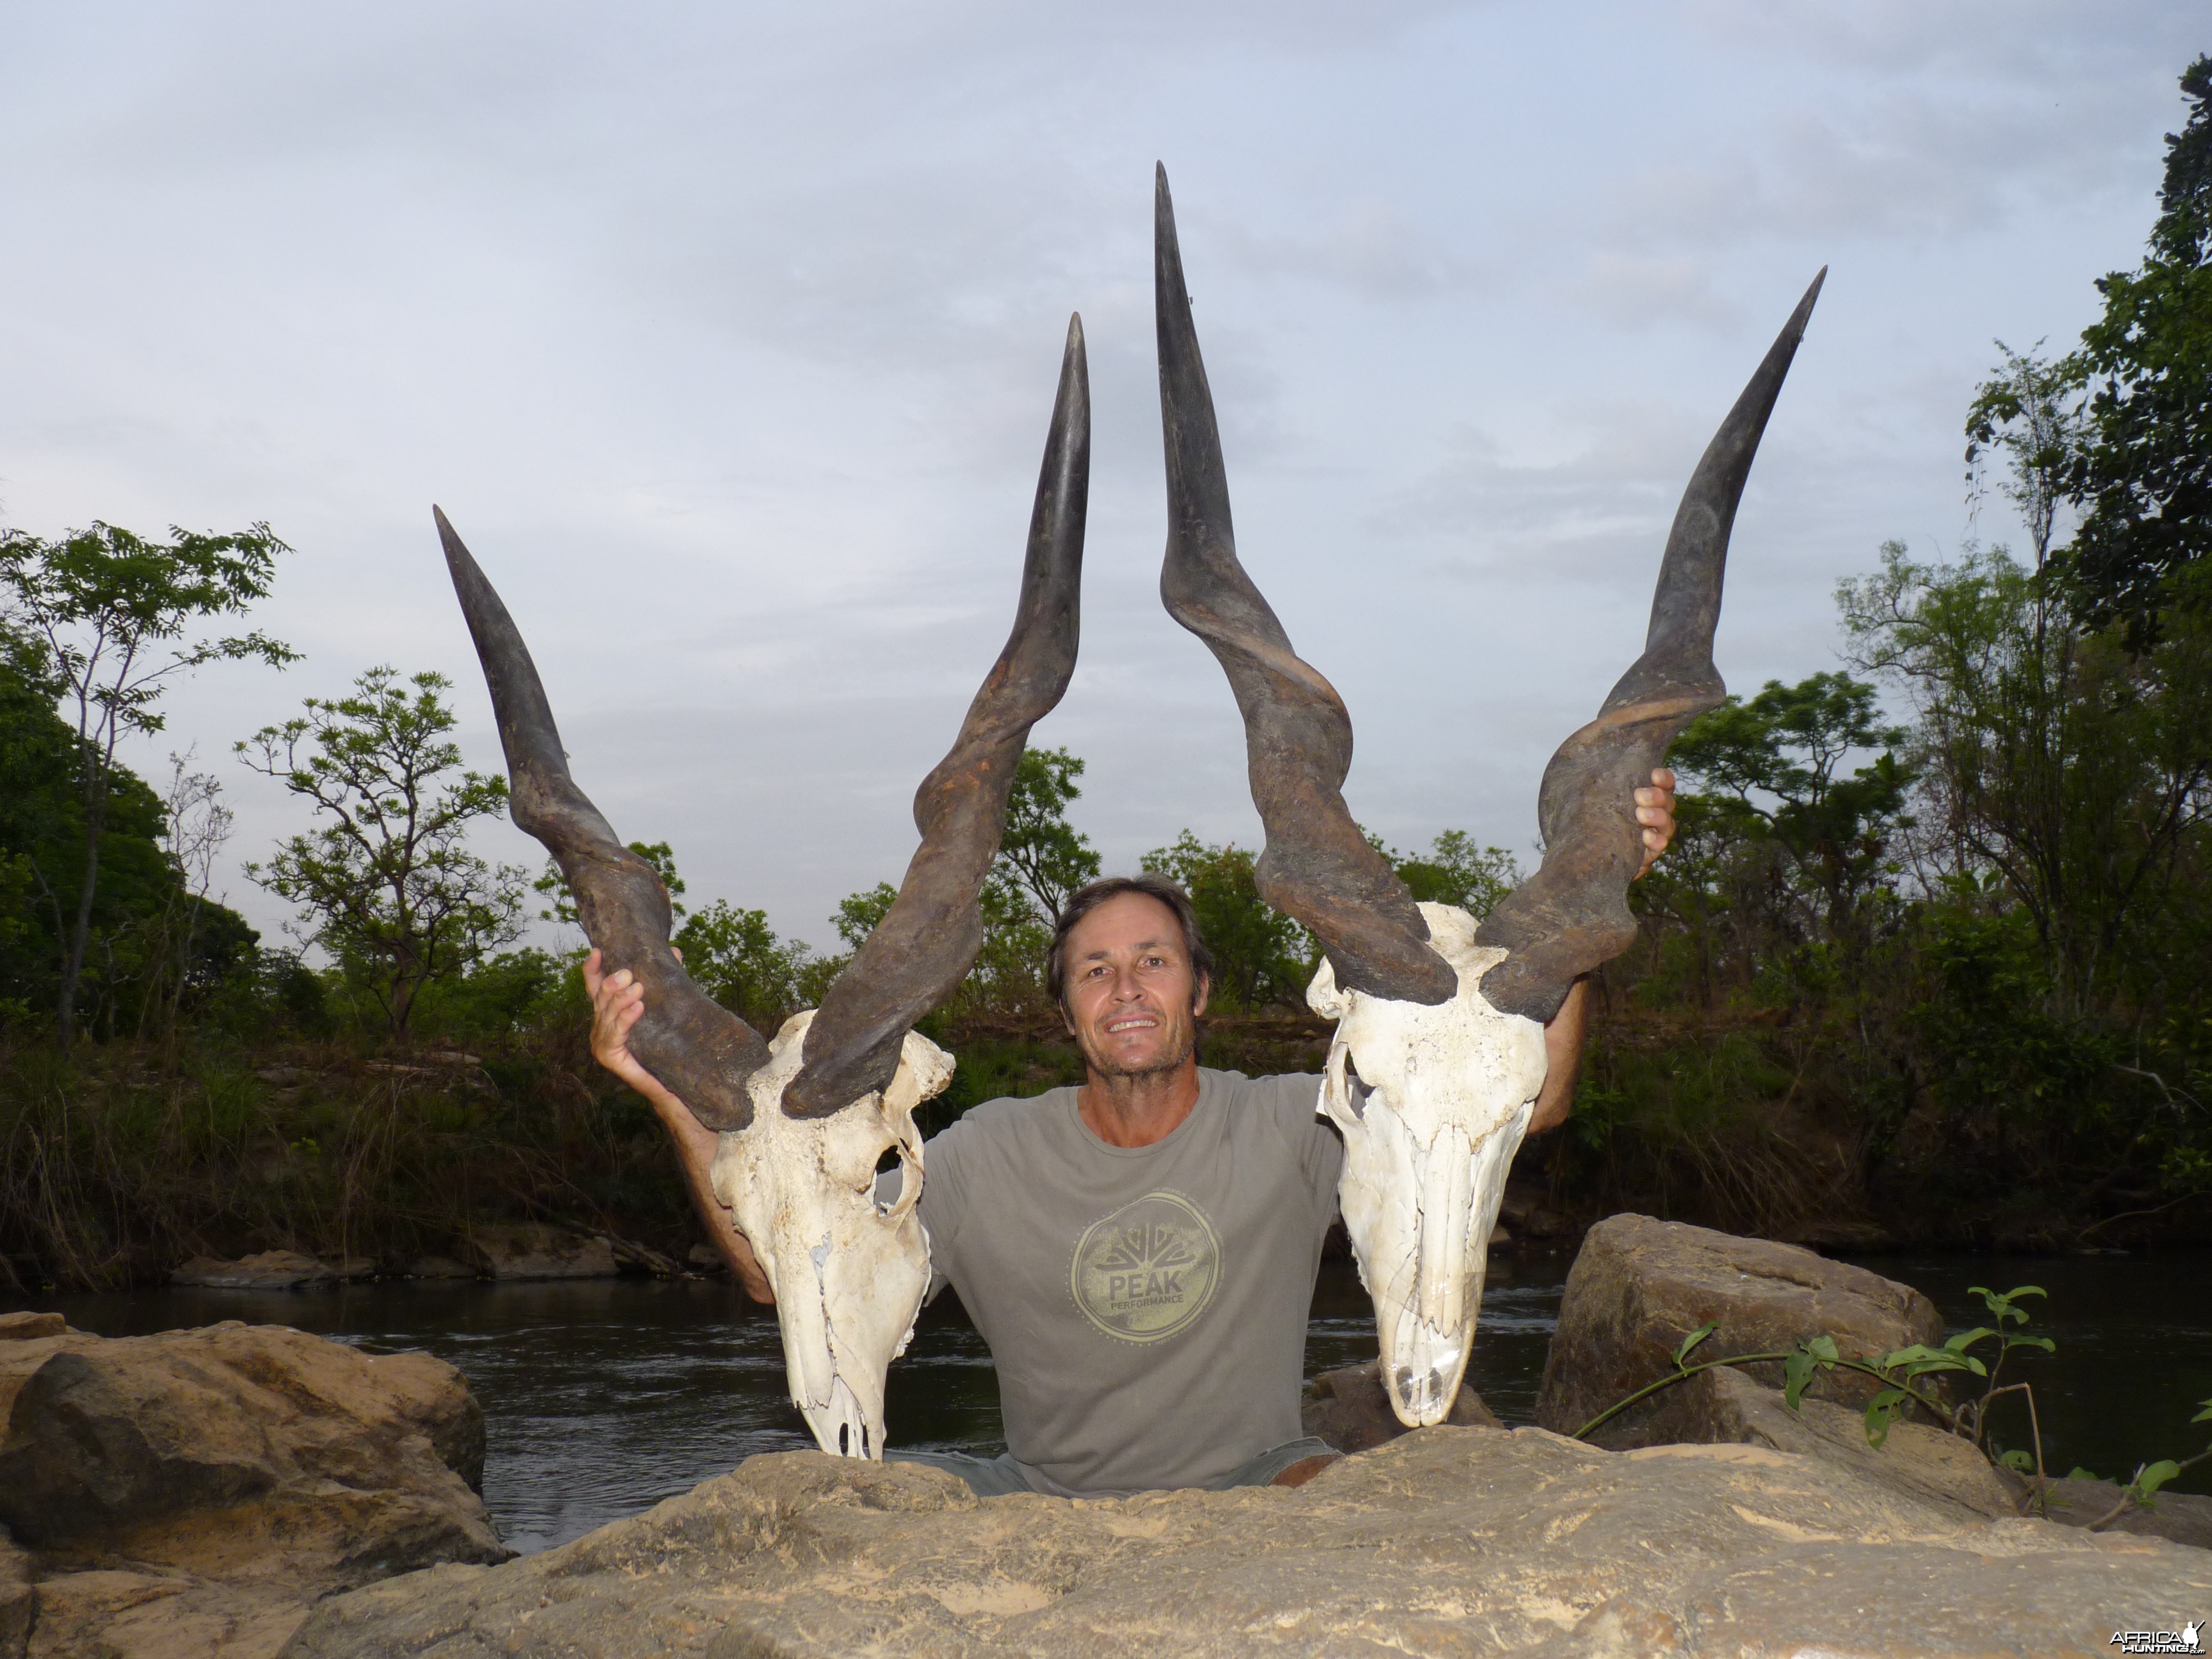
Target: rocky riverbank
[(192, 1494), (242, 1492), (1447, 1541)]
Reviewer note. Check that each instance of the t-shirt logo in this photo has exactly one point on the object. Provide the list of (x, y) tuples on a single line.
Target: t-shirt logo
[(1147, 1270)]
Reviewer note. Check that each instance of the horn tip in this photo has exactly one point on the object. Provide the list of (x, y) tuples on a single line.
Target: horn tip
[(1811, 293), (457, 552)]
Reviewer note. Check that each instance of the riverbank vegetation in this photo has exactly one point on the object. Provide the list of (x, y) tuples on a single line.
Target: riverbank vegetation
[(1926, 961)]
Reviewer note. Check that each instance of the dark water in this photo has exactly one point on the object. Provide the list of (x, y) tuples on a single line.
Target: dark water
[(2133, 1362), (602, 1398)]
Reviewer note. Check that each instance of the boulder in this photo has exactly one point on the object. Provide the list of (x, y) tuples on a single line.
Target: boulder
[(440, 1267), (1350, 1408), (18, 1600), (272, 1270), (205, 1485), (22, 1326), (1725, 1407), (533, 1250), (1639, 1286), (158, 1613), (1523, 1207), (2185, 1517), (1443, 1542)]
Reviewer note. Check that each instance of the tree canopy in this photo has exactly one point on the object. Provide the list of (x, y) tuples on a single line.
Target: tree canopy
[(2144, 476)]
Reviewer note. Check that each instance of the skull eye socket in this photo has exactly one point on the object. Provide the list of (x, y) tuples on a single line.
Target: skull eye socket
[(1355, 1091)]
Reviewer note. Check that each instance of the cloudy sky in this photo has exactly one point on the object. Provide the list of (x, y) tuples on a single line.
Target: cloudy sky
[(727, 334)]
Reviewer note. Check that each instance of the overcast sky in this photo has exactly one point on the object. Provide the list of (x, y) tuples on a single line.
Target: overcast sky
[(728, 337)]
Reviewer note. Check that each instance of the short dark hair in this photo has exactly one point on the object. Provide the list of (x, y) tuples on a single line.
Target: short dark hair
[(1084, 900)]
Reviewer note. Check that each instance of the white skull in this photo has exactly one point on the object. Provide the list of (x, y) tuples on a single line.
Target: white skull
[(849, 1273), (1433, 1102)]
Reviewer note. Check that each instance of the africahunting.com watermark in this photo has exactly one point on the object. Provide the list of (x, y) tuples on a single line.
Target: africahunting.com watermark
[(2190, 1638)]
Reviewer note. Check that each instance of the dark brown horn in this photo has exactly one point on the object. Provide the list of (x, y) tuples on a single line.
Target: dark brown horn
[(1572, 914), (1318, 866), (929, 938), (699, 1048)]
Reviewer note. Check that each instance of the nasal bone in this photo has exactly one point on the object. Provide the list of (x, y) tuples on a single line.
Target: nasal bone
[(1440, 1276)]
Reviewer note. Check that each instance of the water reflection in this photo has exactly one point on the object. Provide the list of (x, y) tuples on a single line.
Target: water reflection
[(602, 1398)]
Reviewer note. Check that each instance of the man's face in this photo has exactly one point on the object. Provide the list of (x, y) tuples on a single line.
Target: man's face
[(1132, 1002)]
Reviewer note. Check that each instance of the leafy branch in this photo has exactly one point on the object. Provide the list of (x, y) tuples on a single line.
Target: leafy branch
[(2141, 1492), (1899, 1372)]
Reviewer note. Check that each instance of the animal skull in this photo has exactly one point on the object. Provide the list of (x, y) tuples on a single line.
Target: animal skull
[(1433, 1102), (849, 1273), (1439, 1051), (804, 1120)]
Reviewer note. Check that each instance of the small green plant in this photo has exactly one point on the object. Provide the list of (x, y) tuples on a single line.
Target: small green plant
[(1900, 1372), (2142, 1492)]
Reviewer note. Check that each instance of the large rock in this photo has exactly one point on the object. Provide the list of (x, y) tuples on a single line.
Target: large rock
[(1725, 1407), (2184, 1517), (1444, 1541), (154, 1612), (272, 1270), (1350, 1408), (18, 1600), (217, 1481), (1639, 1286), (533, 1250)]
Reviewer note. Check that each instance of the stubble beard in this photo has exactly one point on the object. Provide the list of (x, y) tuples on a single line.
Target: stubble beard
[(1163, 1062)]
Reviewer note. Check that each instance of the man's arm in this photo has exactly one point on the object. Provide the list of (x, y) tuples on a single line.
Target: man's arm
[(617, 1002), (1563, 1059), (1563, 1037)]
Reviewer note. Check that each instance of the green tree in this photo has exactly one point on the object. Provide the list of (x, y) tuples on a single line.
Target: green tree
[(389, 886), (858, 913), (2145, 475), (1040, 852), (2025, 432), (1261, 958), (151, 938), (1454, 871), (112, 611), (736, 958), (1773, 768), (731, 954), (189, 932), (2075, 769)]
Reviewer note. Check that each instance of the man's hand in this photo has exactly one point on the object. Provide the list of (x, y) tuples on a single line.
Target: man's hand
[(617, 1004), (1655, 811)]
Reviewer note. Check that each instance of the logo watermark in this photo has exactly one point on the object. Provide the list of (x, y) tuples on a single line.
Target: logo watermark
[(2190, 1638)]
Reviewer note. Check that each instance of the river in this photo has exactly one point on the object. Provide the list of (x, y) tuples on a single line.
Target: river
[(602, 1397)]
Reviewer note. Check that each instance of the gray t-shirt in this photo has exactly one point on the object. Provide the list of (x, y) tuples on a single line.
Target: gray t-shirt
[(1145, 1306)]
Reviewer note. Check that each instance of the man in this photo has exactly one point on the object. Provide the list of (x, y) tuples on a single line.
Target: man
[(1139, 1252)]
